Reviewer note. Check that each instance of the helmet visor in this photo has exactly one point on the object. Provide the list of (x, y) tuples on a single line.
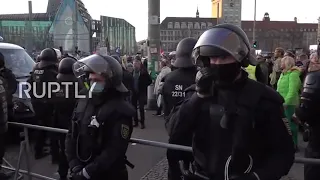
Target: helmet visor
[(215, 41), (92, 64)]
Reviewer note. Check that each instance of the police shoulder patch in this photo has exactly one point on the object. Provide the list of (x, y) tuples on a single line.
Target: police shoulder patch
[(286, 123), (125, 131)]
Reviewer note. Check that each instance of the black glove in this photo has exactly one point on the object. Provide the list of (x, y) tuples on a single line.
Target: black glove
[(250, 176), (204, 81), (75, 170), (78, 176)]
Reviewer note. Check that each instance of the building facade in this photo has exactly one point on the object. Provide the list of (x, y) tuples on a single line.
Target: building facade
[(174, 29), (318, 37), (285, 34), (60, 26), (227, 11), (269, 34), (70, 29), (118, 34), (17, 29)]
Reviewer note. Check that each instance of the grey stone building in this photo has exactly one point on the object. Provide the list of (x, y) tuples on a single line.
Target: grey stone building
[(173, 29), (285, 34), (269, 34)]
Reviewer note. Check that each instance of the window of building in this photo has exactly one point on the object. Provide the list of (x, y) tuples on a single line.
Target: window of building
[(210, 25), (177, 25), (190, 25), (203, 25), (197, 25), (170, 25), (183, 25)]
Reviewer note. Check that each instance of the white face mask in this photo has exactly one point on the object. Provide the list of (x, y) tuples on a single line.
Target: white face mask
[(97, 87)]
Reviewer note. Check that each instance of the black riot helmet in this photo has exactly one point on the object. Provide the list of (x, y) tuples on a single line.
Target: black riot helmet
[(184, 57), (311, 88), (310, 98), (65, 69), (48, 54), (106, 66), (224, 40), (48, 57)]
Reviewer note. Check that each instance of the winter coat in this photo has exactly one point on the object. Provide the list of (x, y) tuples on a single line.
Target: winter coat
[(289, 85)]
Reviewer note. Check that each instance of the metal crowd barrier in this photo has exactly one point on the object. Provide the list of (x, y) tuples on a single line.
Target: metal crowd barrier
[(25, 148)]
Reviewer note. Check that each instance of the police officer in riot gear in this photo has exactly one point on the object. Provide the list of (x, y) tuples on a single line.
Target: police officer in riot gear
[(175, 83), (44, 73), (308, 112), (65, 100), (102, 125), (238, 125)]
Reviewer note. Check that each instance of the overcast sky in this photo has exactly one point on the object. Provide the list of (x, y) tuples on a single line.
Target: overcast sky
[(135, 11)]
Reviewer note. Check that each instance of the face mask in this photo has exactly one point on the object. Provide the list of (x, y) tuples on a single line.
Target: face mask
[(97, 87), (226, 72)]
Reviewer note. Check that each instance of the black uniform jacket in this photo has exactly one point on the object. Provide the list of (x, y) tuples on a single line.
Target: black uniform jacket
[(175, 83), (101, 151), (270, 142)]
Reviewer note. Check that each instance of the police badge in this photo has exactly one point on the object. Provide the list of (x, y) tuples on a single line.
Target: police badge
[(125, 131)]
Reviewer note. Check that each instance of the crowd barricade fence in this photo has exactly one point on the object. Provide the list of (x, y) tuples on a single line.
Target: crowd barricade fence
[(25, 149)]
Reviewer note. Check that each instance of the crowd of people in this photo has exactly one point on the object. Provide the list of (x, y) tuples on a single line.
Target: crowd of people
[(239, 111)]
